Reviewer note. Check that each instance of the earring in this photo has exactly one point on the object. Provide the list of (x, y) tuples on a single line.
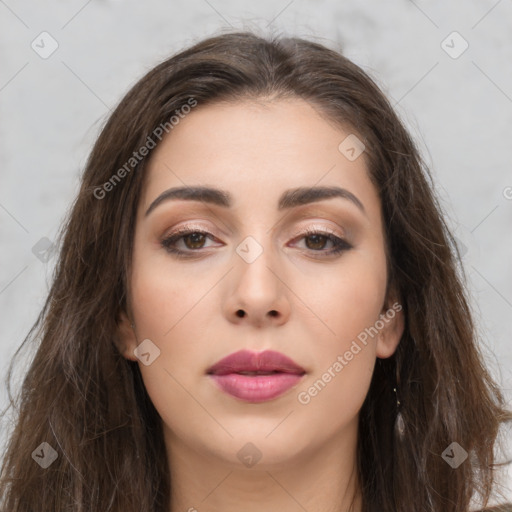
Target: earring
[(399, 420)]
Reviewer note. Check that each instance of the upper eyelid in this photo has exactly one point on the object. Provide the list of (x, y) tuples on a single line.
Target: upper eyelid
[(191, 228), (344, 219)]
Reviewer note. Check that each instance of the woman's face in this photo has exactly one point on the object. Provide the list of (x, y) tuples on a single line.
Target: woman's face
[(317, 300)]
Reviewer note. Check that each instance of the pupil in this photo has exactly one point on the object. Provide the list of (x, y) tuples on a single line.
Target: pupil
[(318, 243), (196, 238)]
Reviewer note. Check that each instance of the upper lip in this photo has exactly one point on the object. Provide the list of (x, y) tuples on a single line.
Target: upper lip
[(247, 361)]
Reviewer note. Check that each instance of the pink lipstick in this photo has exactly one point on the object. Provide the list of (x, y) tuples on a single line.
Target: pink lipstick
[(256, 376)]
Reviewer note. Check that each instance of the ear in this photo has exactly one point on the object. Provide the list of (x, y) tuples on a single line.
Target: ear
[(393, 318), (126, 339)]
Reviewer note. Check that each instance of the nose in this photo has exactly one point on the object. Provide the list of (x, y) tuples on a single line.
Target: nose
[(257, 292)]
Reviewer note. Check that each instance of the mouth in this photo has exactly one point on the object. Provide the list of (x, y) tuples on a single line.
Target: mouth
[(255, 363), (259, 373), (228, 371), (256, 377)]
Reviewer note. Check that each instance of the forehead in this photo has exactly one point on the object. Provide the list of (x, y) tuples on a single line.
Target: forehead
[(256, 149)]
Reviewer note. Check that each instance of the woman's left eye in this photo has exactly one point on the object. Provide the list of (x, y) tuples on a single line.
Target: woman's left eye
[(314, 239), (194, 239)]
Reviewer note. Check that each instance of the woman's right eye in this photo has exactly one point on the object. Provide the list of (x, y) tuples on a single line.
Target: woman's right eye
[(193, 239)]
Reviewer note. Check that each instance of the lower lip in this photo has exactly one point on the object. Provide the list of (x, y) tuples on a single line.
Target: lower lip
[(258, 388)]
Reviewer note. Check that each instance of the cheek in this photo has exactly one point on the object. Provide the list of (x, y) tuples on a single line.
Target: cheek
[(169, 312), (172, 308), (348, 299), (331, 400), (164, 295), (350, 302), (157, 303)]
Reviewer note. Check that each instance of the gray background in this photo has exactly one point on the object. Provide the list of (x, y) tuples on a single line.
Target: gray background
[(458, 107)]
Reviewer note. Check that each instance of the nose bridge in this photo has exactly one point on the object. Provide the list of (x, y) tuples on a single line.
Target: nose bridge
[(256, 254), (258, 291)]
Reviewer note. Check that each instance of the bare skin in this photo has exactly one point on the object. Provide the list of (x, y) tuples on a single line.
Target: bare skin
[(188, 307)]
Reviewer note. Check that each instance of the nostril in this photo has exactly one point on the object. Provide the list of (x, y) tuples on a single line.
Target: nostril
[(240, 313)]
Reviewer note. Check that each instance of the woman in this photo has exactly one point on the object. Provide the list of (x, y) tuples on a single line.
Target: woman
[(257, 306)]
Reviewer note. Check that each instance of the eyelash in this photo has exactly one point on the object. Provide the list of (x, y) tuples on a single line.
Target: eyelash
[(167, 243)]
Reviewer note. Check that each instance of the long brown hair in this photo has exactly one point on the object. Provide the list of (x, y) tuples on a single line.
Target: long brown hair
[(89, 403)]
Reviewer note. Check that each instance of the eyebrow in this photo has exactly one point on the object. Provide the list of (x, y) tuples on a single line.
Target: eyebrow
[(289, 199)]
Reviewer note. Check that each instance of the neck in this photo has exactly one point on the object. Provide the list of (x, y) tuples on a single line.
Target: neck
[(322, 478)]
